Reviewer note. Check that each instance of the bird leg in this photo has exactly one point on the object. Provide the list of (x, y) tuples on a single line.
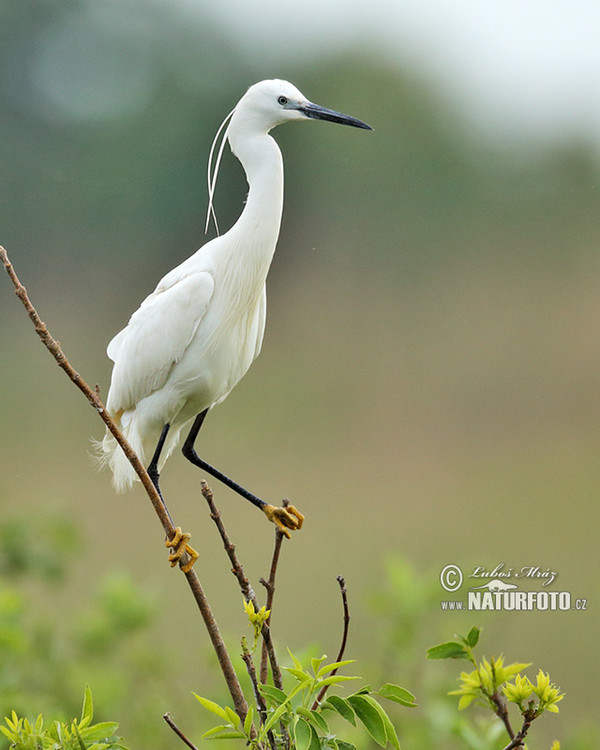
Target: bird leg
[(153, 465), (283, 518), (180, 541)]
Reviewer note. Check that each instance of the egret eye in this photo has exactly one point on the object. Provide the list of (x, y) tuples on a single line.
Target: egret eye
[(283, 100)]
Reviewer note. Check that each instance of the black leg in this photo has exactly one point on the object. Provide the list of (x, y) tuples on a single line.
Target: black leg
[(153, 465), (190, 453)]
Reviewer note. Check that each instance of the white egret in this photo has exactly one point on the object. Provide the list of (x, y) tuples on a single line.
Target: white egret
[(193, 339)]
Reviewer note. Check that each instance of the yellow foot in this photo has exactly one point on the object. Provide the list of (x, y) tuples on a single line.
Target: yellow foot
[(180, 545), (284, 518)]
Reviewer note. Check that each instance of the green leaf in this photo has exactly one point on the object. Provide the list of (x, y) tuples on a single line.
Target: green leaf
[(228, 736), (389, 727), (448, 650), (7, 733), (234, 719), (466, 701), (87, 710), (335, 665), (101, 731), (316, 663), (280, 710), (370, 716), (273, 693), (215, 730), (315, 743), (274, 717), (313, 718), (84, 723), (343, 708), (302, 734), (213, 707), (397, 694), (334, 679), (473, 637), (56, 731), (248, 721), (299, 674), (306, 736), (296, 662), (345, 745), (79, 738), (319, 722)]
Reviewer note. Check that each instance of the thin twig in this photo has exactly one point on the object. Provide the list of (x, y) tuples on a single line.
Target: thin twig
[(340, 656), (515, 742), (92, 396), (519, 738), (178, 732), (270, 586), (502, 713), (246, 588), (258, 696), (251, 669)]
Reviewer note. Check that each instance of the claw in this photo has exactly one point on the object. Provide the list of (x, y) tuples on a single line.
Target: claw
[(286, 519), (180, 545)]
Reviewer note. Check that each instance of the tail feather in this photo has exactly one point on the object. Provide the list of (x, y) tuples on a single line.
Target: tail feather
[(110, 454)]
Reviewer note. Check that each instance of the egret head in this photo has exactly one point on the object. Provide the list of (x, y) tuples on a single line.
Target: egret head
[(273, 102), (265, 105)]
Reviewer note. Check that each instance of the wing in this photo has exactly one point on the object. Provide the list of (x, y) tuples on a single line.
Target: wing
[(156, 338)]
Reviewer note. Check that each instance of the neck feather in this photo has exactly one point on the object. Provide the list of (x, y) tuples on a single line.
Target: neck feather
[(260, 220)]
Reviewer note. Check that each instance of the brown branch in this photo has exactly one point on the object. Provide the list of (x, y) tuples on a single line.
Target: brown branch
[(502, 713), (246, 588), (340, 656), (270, 587), (260, 701), (92, 396), (518, 740), (178, 732), (250, 668)]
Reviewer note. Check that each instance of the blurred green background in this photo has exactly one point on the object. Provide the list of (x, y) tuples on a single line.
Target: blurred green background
[(428, 387)]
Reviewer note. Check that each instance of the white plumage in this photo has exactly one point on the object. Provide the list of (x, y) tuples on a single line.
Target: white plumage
[(192, 340)]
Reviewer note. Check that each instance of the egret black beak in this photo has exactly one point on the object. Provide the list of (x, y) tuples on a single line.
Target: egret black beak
[(315, 112)]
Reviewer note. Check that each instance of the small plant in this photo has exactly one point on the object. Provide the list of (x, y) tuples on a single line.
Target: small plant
[(300, 713), (63, 735), (492, 684)]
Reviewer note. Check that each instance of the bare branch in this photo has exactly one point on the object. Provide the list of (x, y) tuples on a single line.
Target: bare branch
[(270, 587), (502, 713), (250, 668), (245, 586), (178, 732), (518, 740), (92, 396), (260, 701), (340, 656)]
